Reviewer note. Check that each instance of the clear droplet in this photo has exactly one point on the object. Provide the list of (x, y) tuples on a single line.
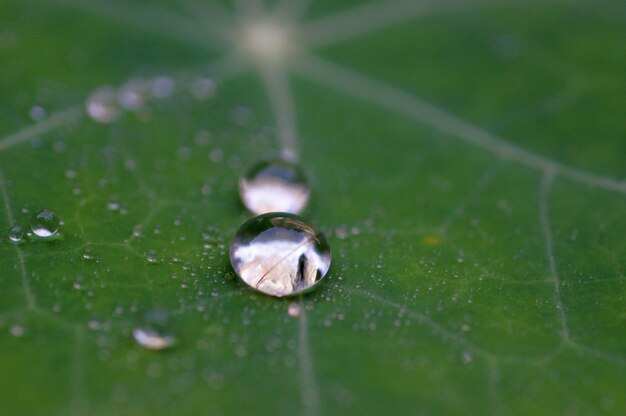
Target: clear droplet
[(102, 105), (154, 332), (133, 95), (203, 89), (279, 254), (294, 309), (151, 256), (275, 186), (44, 223), (16, 234)]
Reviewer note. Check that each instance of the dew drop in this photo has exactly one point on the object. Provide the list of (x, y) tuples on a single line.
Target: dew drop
[(163, 87), (133, 95), (151, 256), (279, 254), (154, 332), (102, 105), (203, 89), (294, 309), (44, 223), (16, 234), (275, 186)]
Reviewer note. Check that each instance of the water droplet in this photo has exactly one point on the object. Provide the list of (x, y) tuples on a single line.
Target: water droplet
[(17, 330), (37, 113), (133, 95), (102, 105), (16, 233), (151, 256), (154, 332), (275, 186), (279, 254), (44, 223), (163, 87), (294, 309), (203, 89)]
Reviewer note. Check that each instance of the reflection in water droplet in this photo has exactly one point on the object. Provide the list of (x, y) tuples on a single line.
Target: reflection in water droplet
[(294, 309), (16, 233), (275, 186), (44, 223), (279, 254), (154, 332), (102, 105), (151, 256), (133, 95)]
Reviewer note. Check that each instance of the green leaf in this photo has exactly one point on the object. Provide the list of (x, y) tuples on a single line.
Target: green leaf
[(467, 165)]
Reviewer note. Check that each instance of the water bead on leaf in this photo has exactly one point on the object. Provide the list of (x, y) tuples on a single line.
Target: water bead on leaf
[(279, 254), (44, 223), (16, 234), (276, 186)]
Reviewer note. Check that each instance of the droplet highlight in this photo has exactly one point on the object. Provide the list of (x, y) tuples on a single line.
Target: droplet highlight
[(44, 223), (16, 234), (102, 105), (154, 332), (279, 254), (275, 186)]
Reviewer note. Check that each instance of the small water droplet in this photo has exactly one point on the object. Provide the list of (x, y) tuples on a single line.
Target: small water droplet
[(275, 186), (102, 105), (203, 89), (294, 309), (154, 333), (88, 255), (163, 87), (37, 113), (44, 223), (133, 95), (279, 254), (16, 234), (151, 256), (17, 330)]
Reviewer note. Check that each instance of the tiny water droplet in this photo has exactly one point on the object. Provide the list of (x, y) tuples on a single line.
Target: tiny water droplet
[(240, 115), (275, 186), (133, 95), (102, 105), (151, 256), (163, 87), (279, 254), (294, 309), (16, 234), (88, 255), (17, 330), (44, 223), (154, 333), (203, 89)]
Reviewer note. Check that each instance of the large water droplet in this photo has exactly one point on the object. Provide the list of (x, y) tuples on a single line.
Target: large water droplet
[(279, 254), (102, 105), (44, 223), (154, 332), (275, 186), (16, 233)]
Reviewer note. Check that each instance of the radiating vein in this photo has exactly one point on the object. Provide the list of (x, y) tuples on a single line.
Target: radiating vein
[(396, 100), (544, 220), (291, 10), (309, 391), (28, 294), (56, 120), (277, 86)]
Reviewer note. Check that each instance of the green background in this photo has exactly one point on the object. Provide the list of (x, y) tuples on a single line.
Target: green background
[(465, 280)]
